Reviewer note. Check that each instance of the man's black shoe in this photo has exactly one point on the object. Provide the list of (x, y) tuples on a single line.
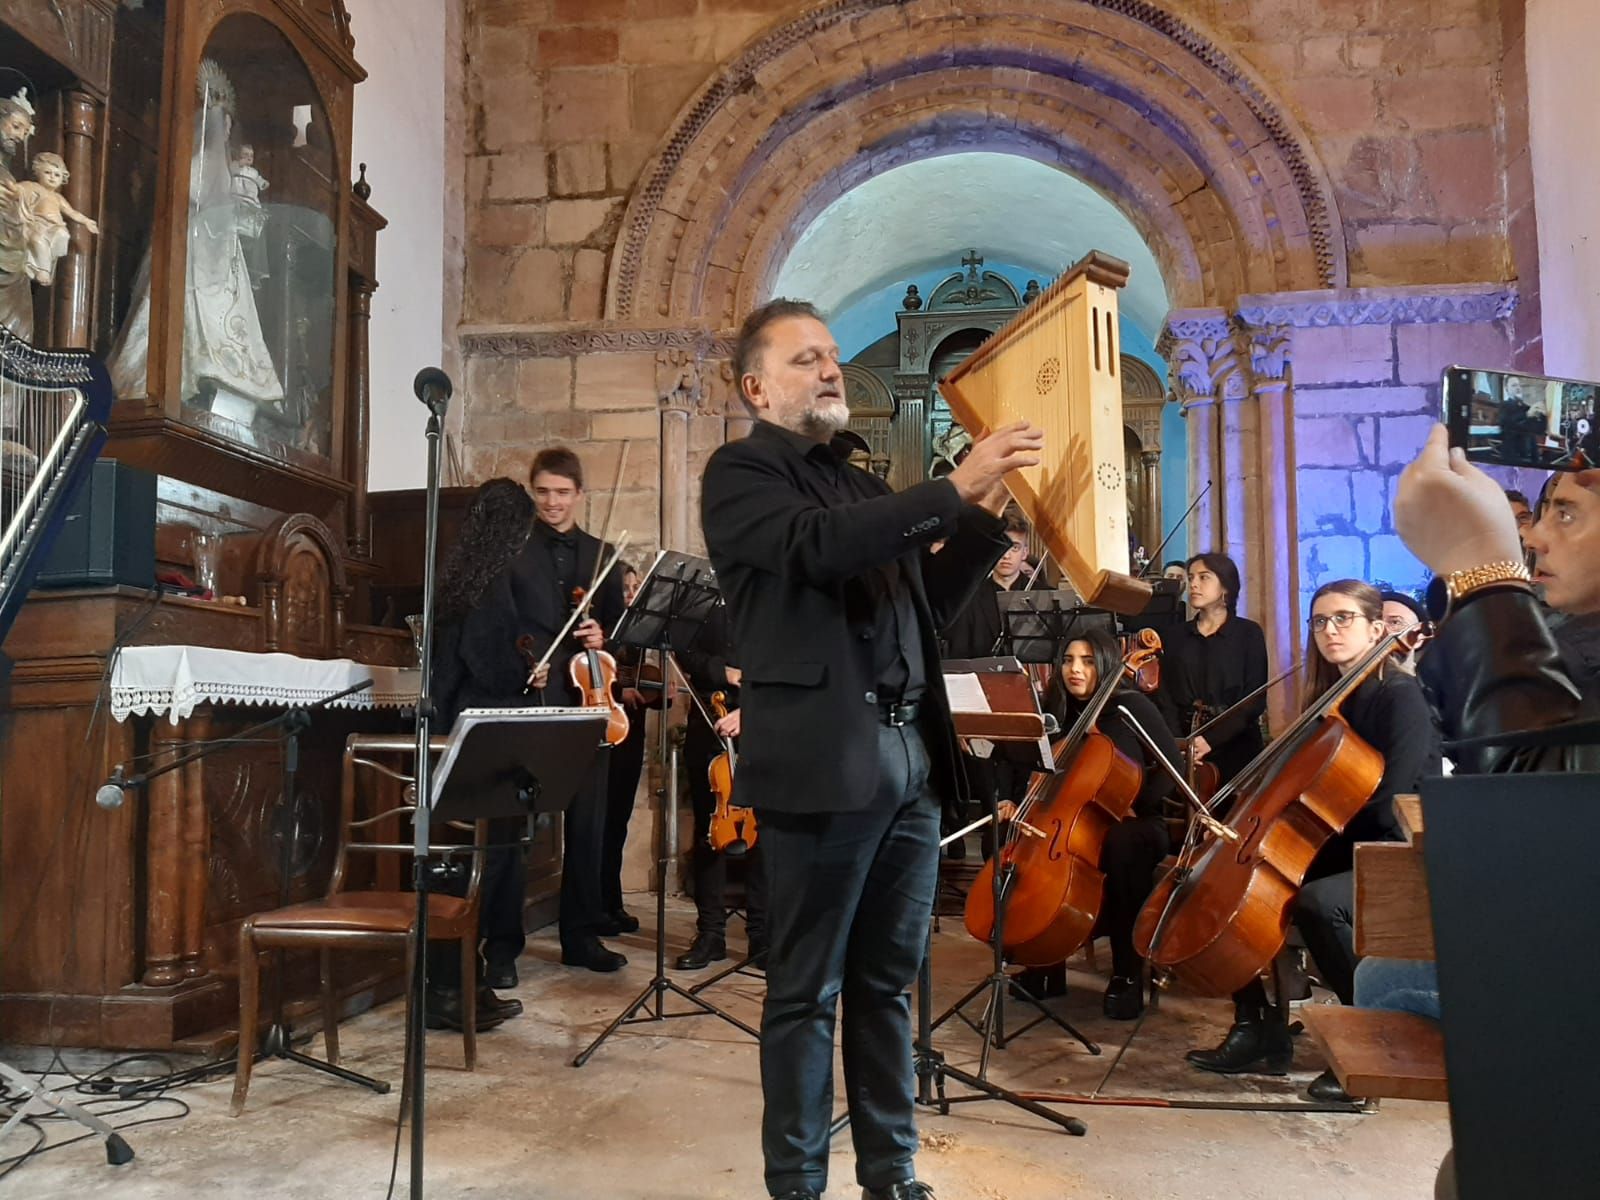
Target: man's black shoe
[(501, 976), (592, 954), (1257, 1047), (706, 949), (799, 1194), (1124, 998), (444, 1012), (1039, 982), (619, 922), (1327, 1088), (489, 1003), (906, 1189)]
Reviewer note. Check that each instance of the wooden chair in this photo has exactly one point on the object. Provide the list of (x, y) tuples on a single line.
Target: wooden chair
[(383, 918)]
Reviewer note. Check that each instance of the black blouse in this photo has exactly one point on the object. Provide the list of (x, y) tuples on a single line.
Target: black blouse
[(1218, 671), (1391, 714), (1157, 783)]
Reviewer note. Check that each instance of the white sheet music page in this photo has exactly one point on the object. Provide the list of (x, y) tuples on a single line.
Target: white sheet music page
[(966, 694)]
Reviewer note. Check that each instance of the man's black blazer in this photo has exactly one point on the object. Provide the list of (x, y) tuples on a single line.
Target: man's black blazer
[(542, 611), (790, 559)]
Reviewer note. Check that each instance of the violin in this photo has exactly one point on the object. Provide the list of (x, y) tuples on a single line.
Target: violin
[(1056, 886), (1203, 777), (733, 829), (1147, 677), (642, 676), (1220, 916), (594, 674)]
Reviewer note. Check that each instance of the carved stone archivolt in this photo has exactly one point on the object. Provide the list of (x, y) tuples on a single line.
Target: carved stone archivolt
[(758, 153)]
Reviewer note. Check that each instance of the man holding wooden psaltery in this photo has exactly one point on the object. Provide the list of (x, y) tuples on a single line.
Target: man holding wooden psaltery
[(847, 750)]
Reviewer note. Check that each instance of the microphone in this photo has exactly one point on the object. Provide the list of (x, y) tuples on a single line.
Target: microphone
[(433, 388), (111, 794)]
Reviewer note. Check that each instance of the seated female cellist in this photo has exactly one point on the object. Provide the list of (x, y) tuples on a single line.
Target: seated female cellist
[(1134, 846), (1390, 713)]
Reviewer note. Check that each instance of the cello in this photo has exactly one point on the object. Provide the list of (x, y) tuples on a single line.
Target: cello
[(1056, 888), (733, 829), (1221, 915)]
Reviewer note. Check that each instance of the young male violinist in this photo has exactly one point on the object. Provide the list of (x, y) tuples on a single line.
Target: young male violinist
[(558, 559)]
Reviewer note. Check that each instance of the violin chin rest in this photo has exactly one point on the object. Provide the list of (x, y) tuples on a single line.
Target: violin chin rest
[(737, 848)]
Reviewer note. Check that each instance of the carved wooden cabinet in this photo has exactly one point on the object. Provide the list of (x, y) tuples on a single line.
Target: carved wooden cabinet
[(228, 291)]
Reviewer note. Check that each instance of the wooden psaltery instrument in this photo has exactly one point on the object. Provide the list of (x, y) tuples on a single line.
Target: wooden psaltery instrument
[(1056, 365)]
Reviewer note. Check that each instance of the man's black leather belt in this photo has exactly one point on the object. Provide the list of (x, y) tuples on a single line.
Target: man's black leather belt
[(899, 712)]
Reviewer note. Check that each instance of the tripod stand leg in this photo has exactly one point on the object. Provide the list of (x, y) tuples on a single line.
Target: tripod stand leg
[(990, 1091), (117, 1150), (617, 1022)]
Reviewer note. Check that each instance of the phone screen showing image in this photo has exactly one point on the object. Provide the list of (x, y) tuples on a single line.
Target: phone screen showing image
[(1516, 420)]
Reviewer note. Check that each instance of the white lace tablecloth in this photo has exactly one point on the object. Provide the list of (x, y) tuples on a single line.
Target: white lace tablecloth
[(176, 679)]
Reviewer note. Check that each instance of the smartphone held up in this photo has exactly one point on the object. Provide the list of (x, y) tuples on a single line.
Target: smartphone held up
[(1517, 420)]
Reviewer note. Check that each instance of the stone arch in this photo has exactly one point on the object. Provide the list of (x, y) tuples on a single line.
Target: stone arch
[(1146, 108)]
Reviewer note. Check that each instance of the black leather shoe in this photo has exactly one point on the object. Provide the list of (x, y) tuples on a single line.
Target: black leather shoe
[(1327, 1088), (620, 922), (799, 1194), (1039, 982), (505, 1009), (907, 1189), (1256, 1047), (501, 976), (444, 1012), (706, 949), (592, 954), (1124, 998)]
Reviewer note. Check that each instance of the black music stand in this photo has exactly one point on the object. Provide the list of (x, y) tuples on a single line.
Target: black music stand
[(1036, 627), (675, 599)]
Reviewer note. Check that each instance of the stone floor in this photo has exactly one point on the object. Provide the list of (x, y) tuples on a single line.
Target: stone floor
[(670, 1111)]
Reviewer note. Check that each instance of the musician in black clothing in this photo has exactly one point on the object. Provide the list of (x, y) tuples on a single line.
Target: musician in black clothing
[(1216, 659), (1389, 712), (627, 763), (558, 558), (847, 748), (1134, 847), (476, 665), (709, 665)]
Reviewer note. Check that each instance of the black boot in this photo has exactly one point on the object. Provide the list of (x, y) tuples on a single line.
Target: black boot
[(707, 949), (1327, 1088), (489, 1003), (1041, 983), (1258, 1044), (592, 953), (1124, 998)]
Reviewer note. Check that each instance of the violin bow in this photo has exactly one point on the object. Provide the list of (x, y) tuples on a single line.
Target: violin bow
[(698, 703), (611, 511), (1237, 704)]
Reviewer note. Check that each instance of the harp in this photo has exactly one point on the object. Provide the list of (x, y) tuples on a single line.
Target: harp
[(1055, 365), (53, 410)]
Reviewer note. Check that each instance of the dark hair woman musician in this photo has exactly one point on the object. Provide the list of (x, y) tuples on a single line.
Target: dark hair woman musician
[(476, 665), (1217, 659), (1389, 712), (1134, 846)]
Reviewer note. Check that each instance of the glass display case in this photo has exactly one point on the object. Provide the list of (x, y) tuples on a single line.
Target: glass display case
[(231, 339)]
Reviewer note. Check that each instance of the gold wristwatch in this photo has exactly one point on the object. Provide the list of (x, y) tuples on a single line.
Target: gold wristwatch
[(1447, 591)]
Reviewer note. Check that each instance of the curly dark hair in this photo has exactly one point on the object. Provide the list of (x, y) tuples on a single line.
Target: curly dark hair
[(496, 526)]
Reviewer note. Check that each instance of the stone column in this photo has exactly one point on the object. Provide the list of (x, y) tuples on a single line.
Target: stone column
[(1152, 533), (80, 131), (1199, 349), (1278, 587)]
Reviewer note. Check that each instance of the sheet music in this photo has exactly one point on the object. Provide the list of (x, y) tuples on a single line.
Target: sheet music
[(966, 694)]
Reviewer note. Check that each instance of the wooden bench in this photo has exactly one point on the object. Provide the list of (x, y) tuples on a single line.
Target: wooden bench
[(1387, 1054)]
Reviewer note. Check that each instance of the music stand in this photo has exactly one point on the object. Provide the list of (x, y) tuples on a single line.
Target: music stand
[(675, 599), (1036, 627), (993, 699)]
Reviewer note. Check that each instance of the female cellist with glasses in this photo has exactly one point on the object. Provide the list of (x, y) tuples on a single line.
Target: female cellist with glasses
[(1389, 712), (1134, 846)]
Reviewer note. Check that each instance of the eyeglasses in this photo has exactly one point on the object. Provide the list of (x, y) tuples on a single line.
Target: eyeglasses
[(1339, 620)]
